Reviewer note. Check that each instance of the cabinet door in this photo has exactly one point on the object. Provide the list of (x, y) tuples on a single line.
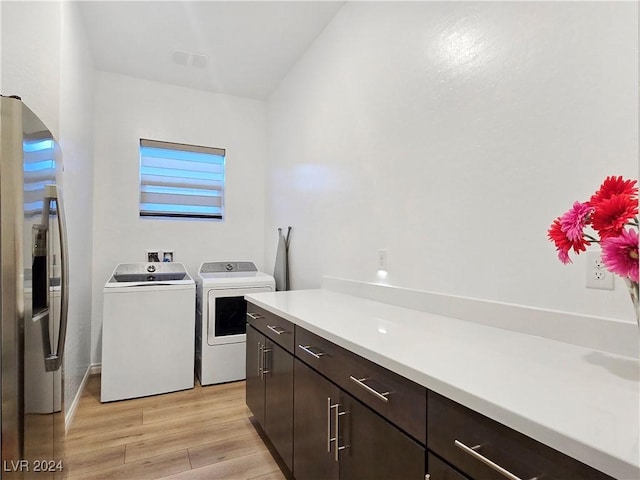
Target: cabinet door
[(255, 384), (278, 372), (313, 425), (439, 470), (375, 449)]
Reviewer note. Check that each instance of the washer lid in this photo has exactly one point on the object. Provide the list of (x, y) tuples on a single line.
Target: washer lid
[(149, 273)]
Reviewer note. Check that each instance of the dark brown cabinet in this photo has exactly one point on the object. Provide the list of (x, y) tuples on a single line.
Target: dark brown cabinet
[(334, 415), (314, 413), (373, 448), (337, 437), (394, 397), (255, 384), (279, 400), (439, 470), (269, 391), (485, 449)]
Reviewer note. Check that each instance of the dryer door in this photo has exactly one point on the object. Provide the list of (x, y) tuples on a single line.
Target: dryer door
[(227, 318)]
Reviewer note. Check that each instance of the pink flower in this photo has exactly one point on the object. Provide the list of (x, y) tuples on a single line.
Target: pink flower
[(563, 243), (574, 221), (620, 254)]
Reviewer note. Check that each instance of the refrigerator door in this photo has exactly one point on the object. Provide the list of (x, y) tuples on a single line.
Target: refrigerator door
[(12, 289), (31, 227)]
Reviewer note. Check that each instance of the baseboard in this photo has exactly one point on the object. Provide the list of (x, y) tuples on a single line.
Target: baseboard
[(96, 368), (68, 419)]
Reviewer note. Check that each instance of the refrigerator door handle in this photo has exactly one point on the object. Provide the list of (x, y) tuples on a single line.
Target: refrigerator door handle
[(53, 361)]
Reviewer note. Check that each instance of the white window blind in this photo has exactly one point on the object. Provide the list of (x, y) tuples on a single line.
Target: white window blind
[(178, 180)]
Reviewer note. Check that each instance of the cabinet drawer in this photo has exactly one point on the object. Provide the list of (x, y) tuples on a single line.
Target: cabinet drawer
[(272, 326), (471, 441), (399, 400)]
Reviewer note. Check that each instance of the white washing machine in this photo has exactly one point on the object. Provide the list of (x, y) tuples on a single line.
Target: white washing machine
[(221, 318), (148, 331)]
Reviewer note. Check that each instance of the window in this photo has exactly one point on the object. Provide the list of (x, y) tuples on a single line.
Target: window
[(179, 180)]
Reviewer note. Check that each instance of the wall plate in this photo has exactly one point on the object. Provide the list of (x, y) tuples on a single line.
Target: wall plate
[(153, 256), (597, 275)]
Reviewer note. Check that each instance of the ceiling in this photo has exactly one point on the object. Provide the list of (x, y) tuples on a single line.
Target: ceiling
[(232, 47)]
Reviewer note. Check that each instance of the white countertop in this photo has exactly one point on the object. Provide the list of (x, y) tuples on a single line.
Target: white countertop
[(582, 402)]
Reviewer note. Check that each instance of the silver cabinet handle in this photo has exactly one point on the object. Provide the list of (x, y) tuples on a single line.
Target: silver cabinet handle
[(276, 329), (307, 349), (338, 414), (336, 438), (380, 395), (265, 350), (329, 437), (473, 451), (260, 358), (254, 316)]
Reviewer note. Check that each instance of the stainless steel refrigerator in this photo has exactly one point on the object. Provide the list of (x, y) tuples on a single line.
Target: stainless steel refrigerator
[(34, 295)]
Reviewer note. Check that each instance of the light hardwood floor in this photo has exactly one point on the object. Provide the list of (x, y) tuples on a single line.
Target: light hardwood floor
[(203, 433)]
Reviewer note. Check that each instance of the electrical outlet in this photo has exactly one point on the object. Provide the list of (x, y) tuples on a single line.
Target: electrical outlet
[(382, 260), (597, 275), (153, 255)]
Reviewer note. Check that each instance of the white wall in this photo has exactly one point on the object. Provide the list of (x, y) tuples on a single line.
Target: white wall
[(31, 57), (44, 60), (76, 141), (452, 134), (126, 110)]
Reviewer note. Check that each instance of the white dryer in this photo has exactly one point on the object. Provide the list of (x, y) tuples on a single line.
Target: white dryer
[(221, 318)]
